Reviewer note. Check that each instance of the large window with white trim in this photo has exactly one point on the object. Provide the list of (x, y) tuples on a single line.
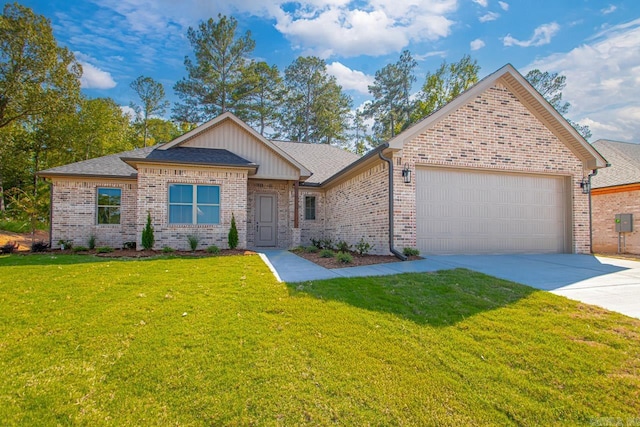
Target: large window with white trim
[(109, 201), (194, 204)]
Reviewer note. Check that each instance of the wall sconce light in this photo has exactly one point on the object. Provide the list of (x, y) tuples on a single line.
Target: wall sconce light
[(406, 174), (585, 185)]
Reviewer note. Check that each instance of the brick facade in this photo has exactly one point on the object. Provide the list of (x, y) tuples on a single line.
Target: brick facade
[(153, 186), (605, 206), (495, 132), (74, 216)]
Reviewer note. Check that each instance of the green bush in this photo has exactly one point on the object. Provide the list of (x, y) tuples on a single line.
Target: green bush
[(167, 250), (39, 246), (311, 249), (363, 247), (326, 253), (8, 248), (233, 234), (193, 241), (147, 234), (322, 243), (410, 252), (80, 249), (343, 246), (65, 244), (213, 250), (92, 242), (104, 249), (129, 245), (344, 257)]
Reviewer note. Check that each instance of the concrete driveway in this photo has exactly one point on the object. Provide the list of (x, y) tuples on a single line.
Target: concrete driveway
[(607, 282)]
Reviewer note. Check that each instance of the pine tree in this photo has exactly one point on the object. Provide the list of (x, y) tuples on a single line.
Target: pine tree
[(147, 234), (233, 234)]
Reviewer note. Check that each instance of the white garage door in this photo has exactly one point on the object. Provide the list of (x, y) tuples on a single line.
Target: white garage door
[(472, 212)]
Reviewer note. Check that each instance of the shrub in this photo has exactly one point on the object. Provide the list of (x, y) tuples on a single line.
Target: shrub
[(311, 249), (326, 253), (147, 234), (322, 243), (129, 245), (80, 249), (39, 246), (167, 250), (410, 252), (92, 242), (213, 250), (363, 247), (65, 244), (193, 241), (343, 246), (9, 248), (233, 234), (104, 249), (344, 257)]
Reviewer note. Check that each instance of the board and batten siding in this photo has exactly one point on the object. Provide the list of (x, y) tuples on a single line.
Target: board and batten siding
[(229, 136)]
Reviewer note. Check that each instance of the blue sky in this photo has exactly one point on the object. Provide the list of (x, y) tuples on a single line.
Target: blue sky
[(596, 44)]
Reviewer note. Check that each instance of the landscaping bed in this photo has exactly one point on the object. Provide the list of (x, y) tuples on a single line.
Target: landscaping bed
[(357, 260)]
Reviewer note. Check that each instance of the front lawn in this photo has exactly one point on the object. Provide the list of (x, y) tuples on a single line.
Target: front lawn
[(217, 341)]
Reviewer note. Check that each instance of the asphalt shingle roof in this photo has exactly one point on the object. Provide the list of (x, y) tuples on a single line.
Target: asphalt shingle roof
[(209, 156), (323, 160), (108, 166), (624, 158)]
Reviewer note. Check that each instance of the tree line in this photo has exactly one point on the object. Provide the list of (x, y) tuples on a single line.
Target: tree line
[(46, 121)]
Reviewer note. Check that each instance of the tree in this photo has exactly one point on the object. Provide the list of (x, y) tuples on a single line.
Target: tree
[(37, 77), (260, 96), (315, 109), (151, 94), (550, 86), (359, 129), (148, 238), (391, 90), (220, 58), (232, 238), (441, 87)]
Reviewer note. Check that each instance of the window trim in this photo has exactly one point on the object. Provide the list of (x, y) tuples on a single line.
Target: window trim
[(98, 206), (194, 204), (310, 211)]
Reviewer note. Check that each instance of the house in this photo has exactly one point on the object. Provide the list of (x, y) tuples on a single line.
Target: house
[(497, 170), (616, 190)]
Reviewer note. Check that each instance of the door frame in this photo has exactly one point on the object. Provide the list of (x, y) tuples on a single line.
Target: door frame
[(257, 242)]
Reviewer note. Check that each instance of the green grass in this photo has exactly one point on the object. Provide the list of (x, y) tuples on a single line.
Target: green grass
[(93, 341)]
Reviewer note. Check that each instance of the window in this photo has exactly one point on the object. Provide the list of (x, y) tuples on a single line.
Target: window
[(310, 207), (194, 204), (109, 201)]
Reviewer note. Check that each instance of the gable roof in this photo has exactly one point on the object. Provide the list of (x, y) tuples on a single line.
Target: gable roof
[(625, 163), (304, 172), (103, 167), (323, 160), (539, 107), (194, 156)]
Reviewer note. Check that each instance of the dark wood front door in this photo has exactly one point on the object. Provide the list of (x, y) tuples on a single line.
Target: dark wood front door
[(266, 219)]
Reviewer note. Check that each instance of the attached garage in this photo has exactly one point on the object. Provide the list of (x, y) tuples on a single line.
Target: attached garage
[(463, 211)]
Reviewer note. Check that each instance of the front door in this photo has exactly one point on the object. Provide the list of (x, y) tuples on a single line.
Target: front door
[(266, 219)]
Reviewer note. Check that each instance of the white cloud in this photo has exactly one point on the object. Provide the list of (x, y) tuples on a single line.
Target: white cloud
[(541, 36), (504, 6), (603, 81), (350, 79), (377, 28), (128, 111), (483, 3), (422, 57), (489, 16), (476, 44), (95, 78), (607, 10)]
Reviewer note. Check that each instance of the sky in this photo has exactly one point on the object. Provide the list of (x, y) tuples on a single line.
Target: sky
[(595, 44)]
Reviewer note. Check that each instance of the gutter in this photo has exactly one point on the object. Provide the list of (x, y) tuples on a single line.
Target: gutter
[(392, 249)]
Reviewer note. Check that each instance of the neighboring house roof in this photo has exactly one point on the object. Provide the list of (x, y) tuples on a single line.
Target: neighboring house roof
[(323, 160), (105, 167), (304, 172), (194, 156), (625, 164), (530, 97)]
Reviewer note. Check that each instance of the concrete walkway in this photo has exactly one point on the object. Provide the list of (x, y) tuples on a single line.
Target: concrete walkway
[(607, 282)]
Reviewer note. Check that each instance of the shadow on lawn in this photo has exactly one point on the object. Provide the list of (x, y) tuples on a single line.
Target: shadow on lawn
[(65, 259), (439, 298)]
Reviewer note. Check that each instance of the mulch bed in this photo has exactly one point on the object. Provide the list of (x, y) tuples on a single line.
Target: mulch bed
[(358, 260)]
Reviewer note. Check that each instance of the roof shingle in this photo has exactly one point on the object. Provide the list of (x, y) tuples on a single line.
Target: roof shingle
[(624, 158)]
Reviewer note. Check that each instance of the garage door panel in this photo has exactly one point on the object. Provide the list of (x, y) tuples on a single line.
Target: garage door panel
[(463, 211)]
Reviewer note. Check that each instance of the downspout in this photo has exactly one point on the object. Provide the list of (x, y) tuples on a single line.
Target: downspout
[(50, 214), (392, 249), (593, 173)]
